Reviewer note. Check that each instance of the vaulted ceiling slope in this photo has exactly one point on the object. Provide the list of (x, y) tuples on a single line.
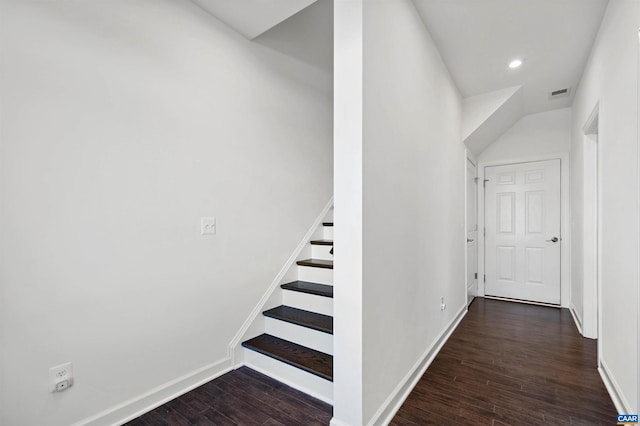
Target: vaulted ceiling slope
[(478, 39), (306, 36), (487, 116), (252, 17)]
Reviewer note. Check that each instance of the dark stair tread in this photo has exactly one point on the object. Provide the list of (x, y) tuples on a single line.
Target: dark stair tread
[(310, 288), (306, 359), (316, 263), (327, 223), (322, 242), (301, 317)]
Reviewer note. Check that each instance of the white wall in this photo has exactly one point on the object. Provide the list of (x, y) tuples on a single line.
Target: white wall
[(122, 123), (413, 197), (535, 134), (610, 78)]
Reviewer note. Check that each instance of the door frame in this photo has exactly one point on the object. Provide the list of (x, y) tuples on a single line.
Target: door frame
[(565, 218), (590, 323), (470, 159), (638, 287)]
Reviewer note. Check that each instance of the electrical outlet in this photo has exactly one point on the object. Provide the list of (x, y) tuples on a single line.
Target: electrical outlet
[(207, 225), (62, 385), (443, 305), (60, 377)]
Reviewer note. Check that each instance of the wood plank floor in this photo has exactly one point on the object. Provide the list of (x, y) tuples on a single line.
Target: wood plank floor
[(510, 363), (240, 397), (507, 363)]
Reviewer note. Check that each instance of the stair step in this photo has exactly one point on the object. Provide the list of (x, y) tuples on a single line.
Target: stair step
[(321, 252), (315, 275), (311, 288), (327, 232), (316, 263), (322, 242), (301, 317), (327, 223), (314, 362)]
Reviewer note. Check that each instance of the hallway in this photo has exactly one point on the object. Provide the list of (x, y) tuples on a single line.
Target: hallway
[(506, 363), (510, 363)]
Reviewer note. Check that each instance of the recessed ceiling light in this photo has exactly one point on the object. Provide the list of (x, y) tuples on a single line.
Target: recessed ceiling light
[(515, 63)]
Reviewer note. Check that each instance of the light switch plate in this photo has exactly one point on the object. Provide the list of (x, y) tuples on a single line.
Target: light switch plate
[(207, 225)]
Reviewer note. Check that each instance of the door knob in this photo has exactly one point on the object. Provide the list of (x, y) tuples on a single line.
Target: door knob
[(553, 240), (469, 240)]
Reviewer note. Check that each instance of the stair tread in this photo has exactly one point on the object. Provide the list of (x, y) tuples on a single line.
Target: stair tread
[(313, 320), (322, 242), (316, 263), (327, 223), (310, 288), (299, 356)]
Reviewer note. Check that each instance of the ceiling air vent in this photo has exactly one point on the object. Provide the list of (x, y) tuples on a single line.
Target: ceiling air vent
[(560, 93)]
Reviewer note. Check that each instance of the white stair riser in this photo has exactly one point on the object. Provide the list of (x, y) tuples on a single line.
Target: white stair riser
[(292, 376), (327, 231), (304, 336), (308, 302), (321, 252), (315, 275)]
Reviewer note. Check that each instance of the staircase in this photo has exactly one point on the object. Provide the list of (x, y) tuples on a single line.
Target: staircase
[(296, 346)]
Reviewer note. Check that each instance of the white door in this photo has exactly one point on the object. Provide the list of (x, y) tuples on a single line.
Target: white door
[(472, 233), (522, 220)]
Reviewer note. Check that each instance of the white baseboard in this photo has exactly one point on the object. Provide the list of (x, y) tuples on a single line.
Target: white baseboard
[(336, 422), (576, 318), (621, 403), (154, 398), (390, 407)]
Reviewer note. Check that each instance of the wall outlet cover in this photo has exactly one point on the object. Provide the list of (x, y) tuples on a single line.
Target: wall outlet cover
[(60, 377)]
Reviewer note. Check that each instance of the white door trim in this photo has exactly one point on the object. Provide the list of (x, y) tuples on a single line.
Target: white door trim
[(591, 232), (474, 163), (565, 219), (638, 287)]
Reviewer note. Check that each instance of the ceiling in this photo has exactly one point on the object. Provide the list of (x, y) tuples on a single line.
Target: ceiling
[(478, 39)]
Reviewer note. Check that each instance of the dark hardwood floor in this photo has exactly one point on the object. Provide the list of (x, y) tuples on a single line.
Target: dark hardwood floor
[(241, 397), (507, 363), (510, 363)]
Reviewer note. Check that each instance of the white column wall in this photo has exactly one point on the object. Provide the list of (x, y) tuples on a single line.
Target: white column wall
[(348, 227), (413, 197)]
